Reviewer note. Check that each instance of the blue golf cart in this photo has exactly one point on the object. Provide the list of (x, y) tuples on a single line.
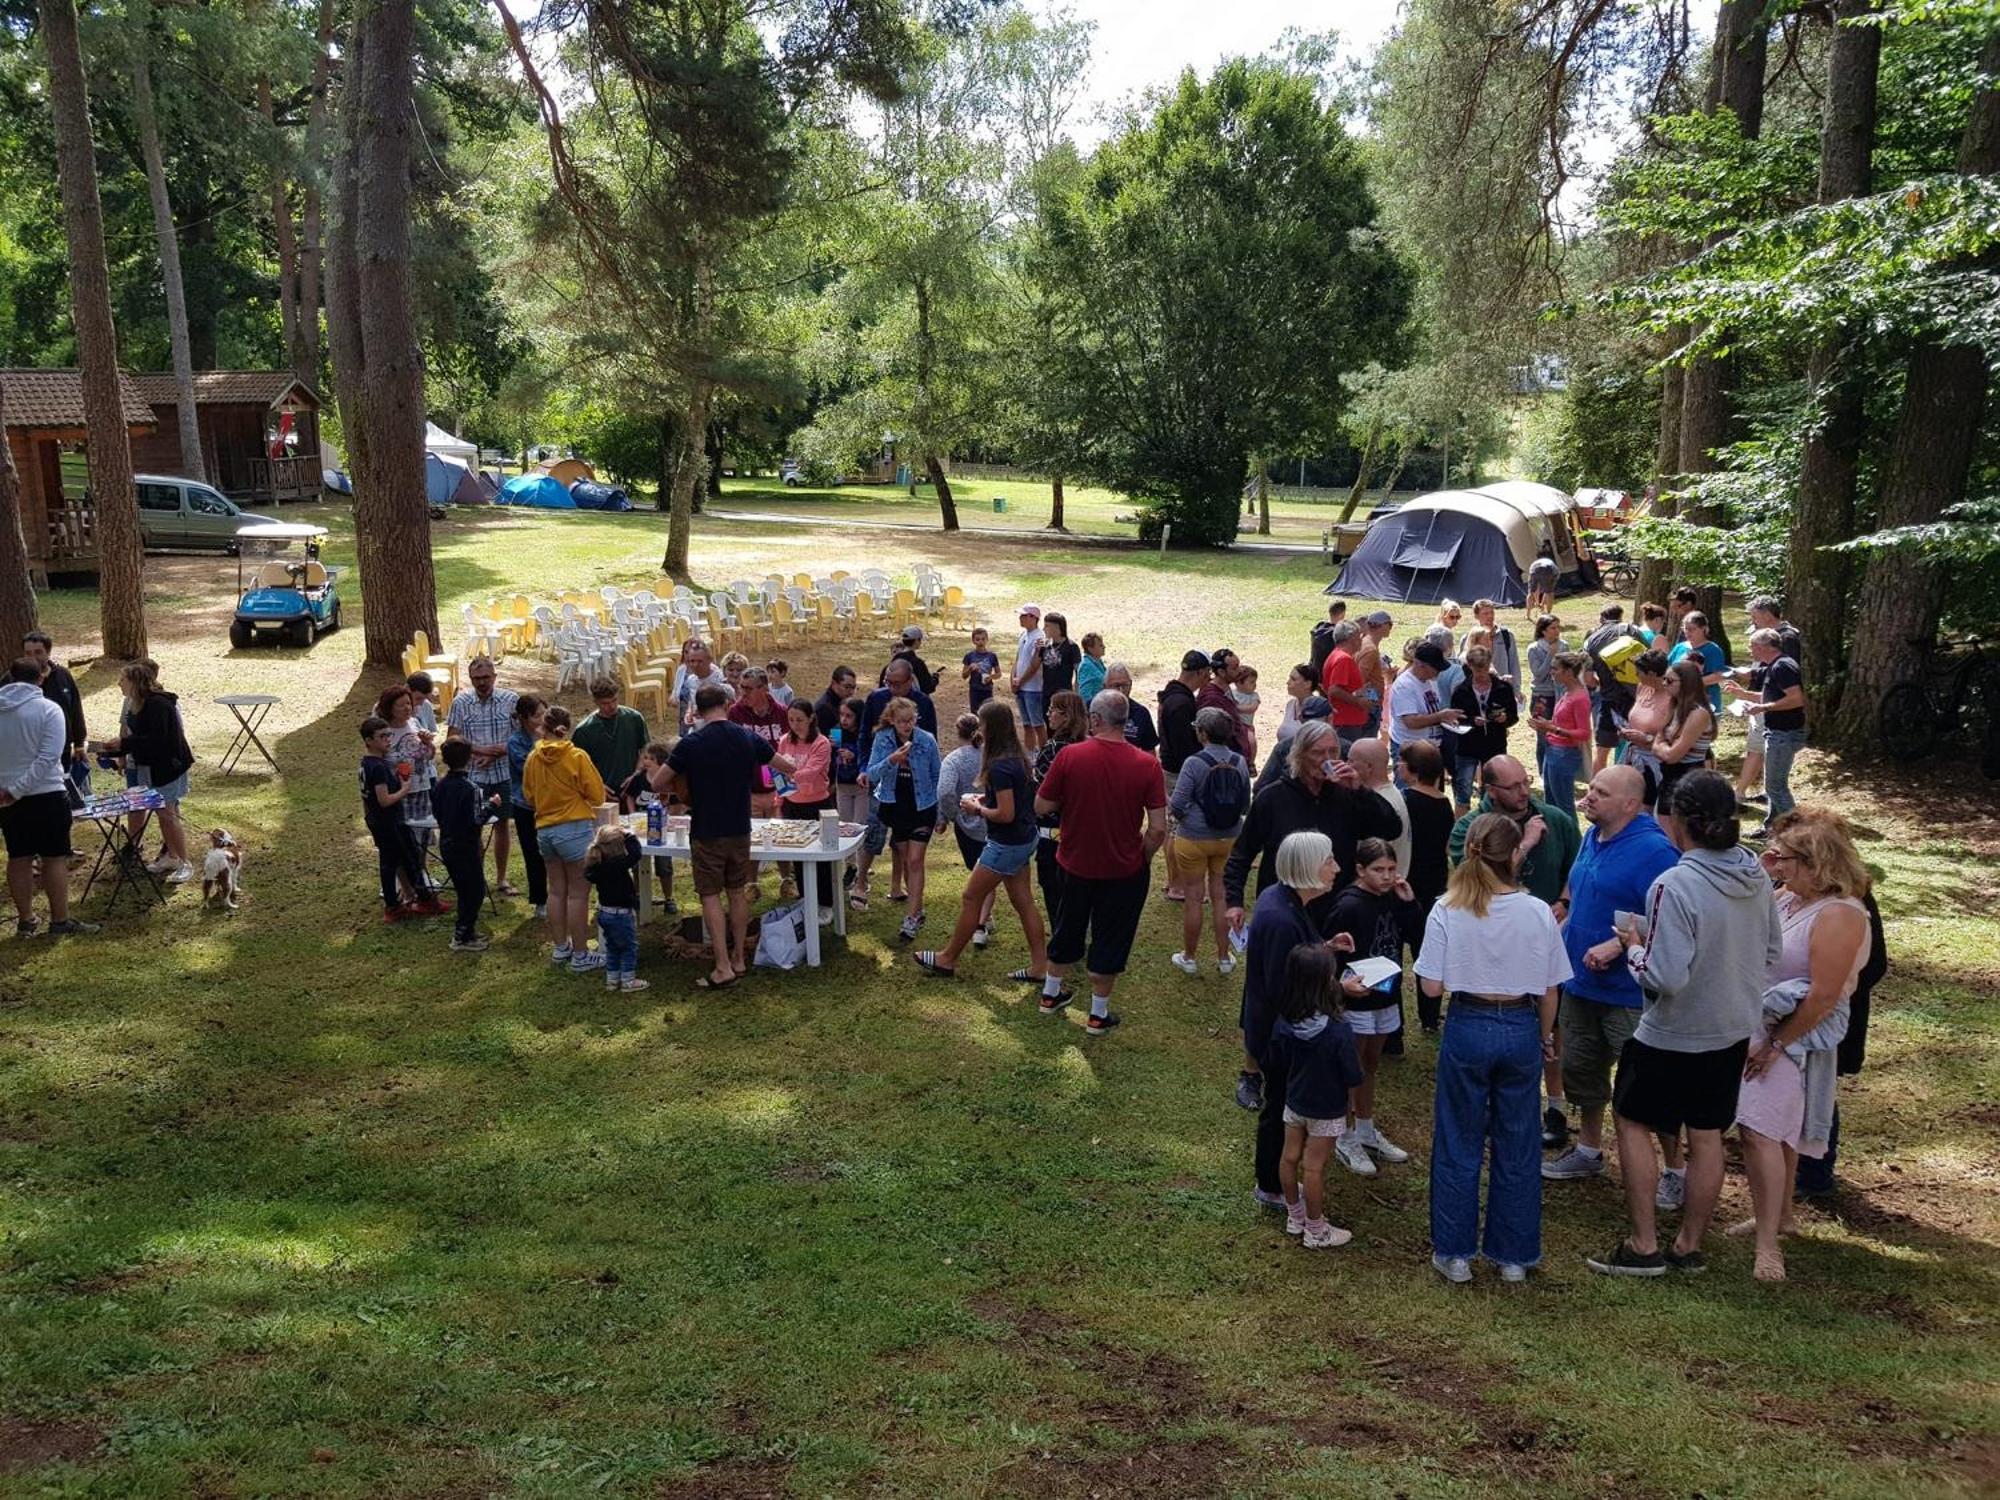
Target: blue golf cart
[(286, 600)]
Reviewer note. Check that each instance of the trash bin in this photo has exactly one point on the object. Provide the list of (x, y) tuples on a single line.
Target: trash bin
[(999, 504)]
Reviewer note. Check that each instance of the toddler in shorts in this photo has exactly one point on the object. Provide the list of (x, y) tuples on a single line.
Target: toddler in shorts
[(1321, 1065)]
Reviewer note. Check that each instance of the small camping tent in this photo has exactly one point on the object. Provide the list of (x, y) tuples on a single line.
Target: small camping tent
[(1463, 544), (489, 486), (589, 496), (444, 445), (537, 490), (567, 471), (441, 479)]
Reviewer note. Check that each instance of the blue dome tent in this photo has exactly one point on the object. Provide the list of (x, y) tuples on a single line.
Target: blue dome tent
[(537, 490)]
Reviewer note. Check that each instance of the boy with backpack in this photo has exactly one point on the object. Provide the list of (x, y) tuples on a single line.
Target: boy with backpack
[(1211, 795)]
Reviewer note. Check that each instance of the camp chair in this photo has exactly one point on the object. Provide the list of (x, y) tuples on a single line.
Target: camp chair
[(482, 636), (641, 683), (957, 613), (865, 620), (443, 669), (904, 610), (721, 637), (785, 620)]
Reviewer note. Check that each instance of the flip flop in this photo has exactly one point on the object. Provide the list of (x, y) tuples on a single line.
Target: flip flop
[(927, 961), (710, 982), (858, 901), (1022, 976), (506, 888)]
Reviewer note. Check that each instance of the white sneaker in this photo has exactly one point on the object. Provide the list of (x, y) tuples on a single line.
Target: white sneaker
[(632, 986), (180, 874), (610, 980), (826, 917), (1379, 1143), (1672, 1192), (1354, 1156), (562, 953), (161, 865), (1185, 964), (1226, 964), (981, 935), (1295, 1217), (542, 910), (1513, 1273), (1453, 1268), (1325, 1236)]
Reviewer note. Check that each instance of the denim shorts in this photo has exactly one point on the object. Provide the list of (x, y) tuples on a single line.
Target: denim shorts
[(1006, 859), (173, 791), (1029, 705), (568, 842)]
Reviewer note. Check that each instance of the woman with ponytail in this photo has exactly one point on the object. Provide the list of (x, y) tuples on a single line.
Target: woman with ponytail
[(1497, 951)]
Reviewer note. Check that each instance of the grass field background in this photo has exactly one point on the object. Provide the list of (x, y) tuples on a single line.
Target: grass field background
[(294, 1204)]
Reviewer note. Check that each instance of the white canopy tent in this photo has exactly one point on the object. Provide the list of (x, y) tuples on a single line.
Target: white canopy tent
[(444, 445)]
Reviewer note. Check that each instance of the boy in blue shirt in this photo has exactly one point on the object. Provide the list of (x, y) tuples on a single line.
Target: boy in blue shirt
[(981, 666)]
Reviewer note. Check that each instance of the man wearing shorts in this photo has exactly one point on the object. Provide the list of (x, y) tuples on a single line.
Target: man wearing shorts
[(1114, 809), (716, 766), (1027, 679), (34, 802)]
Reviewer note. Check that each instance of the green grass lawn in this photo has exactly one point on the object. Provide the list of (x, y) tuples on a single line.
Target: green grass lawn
[(1087, 511), (295, 1204)]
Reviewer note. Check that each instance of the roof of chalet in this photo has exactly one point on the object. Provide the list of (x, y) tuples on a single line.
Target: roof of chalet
[(225, 387), (54, 399)]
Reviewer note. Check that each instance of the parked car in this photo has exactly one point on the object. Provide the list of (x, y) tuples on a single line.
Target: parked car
[(185, 513)]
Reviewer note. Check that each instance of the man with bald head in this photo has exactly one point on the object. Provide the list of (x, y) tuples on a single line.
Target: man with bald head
[(1622, 855), (1549, 836)]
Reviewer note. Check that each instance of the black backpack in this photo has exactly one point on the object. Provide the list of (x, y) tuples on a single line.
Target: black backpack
[(1223, 796)]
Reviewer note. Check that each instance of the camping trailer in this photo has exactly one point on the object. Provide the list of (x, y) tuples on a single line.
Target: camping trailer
[(1465, 544)]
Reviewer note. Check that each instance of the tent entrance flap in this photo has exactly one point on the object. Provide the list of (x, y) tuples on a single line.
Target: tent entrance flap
[(1427, 554)]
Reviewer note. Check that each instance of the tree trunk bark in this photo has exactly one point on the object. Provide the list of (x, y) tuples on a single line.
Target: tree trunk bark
[(711, 488), (1056, 522), (1818, 581), (120, 566), (1929, 461), (1396, 472), (1655, 574), (145, 118), (688, 478), (343, 272), (1361, 474), (282, 233), (391, 512), (947, 507), (663, 497), (17, 589), (1263, 500), (311, 352)]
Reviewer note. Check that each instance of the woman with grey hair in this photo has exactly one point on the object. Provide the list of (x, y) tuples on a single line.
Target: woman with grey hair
[(1303, 871), (1209, 800)]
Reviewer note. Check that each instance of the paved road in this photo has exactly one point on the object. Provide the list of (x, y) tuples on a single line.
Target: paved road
[(1016, 534)]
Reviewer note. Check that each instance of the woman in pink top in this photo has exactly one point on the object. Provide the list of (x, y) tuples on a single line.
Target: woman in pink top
[(811, 755), (1821, 883), (1566, 732)]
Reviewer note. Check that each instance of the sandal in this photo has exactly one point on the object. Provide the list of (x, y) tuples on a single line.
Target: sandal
[(1770, 1266), (858, 901), (1022, 976), (927, 961), (505, 888), (710, 982)]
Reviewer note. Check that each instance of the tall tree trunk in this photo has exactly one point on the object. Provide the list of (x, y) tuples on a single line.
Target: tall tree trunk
[(311, 353), (1396, 470), (941, 482), (343, 271), (17, 589), (1655, 574), (1263, 499), (1367, 464), (1707, 411), (1817, 581), (391, 513), (120, 587), (663, 497), (139, 20), (1929, 460), (1056, 522), (687, 480), (279, 188)]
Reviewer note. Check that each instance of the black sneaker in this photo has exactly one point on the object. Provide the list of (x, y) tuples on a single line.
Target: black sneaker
[(1691, 1264), (1755, 797), (73, 928), (1056, 1002), (1098, 1025), (1625, 1261), (1555, 1128), (1250, 1091), (27, 926), (1394, 1046)]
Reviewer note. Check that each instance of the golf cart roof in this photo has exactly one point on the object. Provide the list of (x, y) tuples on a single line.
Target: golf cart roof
[(276, 536)]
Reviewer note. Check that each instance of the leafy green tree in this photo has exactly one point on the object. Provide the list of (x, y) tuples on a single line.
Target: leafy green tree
[(1215, 271)]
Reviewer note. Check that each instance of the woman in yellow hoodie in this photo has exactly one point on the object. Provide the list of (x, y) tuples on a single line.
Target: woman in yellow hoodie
[(564, 789)]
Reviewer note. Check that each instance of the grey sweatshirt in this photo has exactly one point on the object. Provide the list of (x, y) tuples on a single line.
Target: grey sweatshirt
[(33, 736), (1713, 933), (955, 777)]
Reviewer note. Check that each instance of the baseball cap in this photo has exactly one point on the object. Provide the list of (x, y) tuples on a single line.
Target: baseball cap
[(1381, 617), (1030, 609), (1432, 657), (913, 633), (1194, 661), (1315, 707)]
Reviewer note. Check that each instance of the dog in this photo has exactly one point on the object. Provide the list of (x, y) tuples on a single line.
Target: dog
[(221, 869)]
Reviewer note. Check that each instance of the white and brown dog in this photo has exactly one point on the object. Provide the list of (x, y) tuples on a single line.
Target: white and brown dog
[(221, 869)]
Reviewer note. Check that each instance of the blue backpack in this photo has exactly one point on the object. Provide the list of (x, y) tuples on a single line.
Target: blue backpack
[(1223, 796)]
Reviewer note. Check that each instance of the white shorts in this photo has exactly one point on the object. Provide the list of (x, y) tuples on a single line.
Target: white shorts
[(1753, 734), (1383, 1021), (1335, 1128)]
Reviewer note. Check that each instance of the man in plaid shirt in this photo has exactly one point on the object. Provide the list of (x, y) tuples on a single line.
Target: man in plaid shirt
[(483, 718)]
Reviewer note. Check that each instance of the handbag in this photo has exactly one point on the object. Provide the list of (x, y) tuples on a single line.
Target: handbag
[(781, 937)]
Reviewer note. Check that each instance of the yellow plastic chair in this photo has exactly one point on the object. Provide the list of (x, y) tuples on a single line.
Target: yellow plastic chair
[(443, 668), (905, 610), (867, 621), (722, 637), (832, 624), (957, 613), (639, 683)]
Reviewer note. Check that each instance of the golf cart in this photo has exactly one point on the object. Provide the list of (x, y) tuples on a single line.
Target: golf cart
[(285, 599)]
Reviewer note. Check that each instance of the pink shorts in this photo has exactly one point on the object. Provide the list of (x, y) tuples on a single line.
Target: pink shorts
[(1774, 1102)]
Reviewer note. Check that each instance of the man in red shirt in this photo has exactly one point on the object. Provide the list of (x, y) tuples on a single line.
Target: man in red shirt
[(1114, 817), (764, 716), (1340, 684)]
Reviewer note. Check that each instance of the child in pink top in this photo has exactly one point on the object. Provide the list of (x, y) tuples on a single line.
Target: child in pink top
[(811, 755)]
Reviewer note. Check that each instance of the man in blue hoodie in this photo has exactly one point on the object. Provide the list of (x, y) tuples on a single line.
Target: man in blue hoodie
[(1622, 855)]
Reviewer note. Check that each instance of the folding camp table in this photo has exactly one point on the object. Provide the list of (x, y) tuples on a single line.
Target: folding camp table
[(122, 845), (251, 709)]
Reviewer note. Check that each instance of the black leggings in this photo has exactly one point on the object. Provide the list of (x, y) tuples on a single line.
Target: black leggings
[(396, 854), (1048, 875), (531, 855), (808, 812), (1271, 1121)]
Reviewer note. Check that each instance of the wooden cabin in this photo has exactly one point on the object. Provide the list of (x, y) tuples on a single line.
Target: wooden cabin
[(44, 417), (259, 433)]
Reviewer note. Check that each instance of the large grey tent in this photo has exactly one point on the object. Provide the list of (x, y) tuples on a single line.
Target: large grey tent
[(1463, 544)]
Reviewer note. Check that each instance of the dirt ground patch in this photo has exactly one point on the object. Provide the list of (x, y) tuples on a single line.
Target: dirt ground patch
[(730, 1479), (27, 1443)]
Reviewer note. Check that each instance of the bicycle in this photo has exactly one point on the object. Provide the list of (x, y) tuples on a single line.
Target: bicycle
[(1959, 694)]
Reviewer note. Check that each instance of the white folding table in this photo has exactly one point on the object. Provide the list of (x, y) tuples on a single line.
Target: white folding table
[(675, 846)]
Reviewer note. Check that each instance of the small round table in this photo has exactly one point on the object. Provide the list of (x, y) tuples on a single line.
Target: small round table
[(251, 709)]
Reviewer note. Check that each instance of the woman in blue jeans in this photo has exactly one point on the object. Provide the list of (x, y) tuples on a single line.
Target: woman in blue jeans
[(1496, 949)]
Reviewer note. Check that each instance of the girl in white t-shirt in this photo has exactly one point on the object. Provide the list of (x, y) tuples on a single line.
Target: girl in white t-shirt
[(1496, 949)]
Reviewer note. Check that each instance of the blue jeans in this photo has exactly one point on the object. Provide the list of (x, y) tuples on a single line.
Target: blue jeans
[(1781, 748), (1489, 1088), (1464, 772), (618, 933), (1560, 763)]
